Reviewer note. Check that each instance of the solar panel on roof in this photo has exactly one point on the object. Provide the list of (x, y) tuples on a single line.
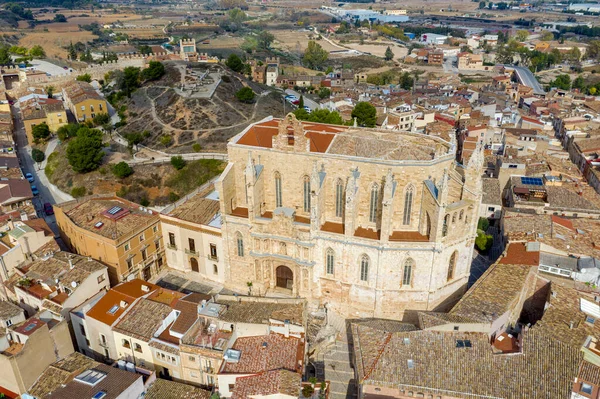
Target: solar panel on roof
[(114, 210), (532, 181), (114, 309), (460, 343), (99, 395), (91, 377)]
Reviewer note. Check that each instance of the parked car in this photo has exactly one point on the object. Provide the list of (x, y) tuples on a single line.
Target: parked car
[(34, 190), (29, 177), (307, 109), (48, 210)]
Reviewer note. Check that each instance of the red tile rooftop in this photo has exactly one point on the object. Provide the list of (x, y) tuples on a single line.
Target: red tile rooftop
[(516, 254), (60, 298), (29, 326), (167, 337), (506, 343), (240, 212), (367, 233), (408, 236), (332, 227)]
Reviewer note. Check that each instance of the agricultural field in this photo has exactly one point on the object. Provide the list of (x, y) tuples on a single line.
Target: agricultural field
[(55, 42), (297, 40), (378, 48)]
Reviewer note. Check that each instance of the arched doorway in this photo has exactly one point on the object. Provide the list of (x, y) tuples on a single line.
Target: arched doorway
[(285, 277), (194, 265)]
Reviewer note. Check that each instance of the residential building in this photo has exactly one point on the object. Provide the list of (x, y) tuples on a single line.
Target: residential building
[(21, 241), (226, 318), (36, 110), (57, 281), (162, 389), (81, 377), (491, 201), (119, 233), (191, 230), (94, 319), (15, 194), (435, 57), (254, 355), (83, 100), (28, 347), (469, 61), (283, 384), (298, 204), (10, 314)]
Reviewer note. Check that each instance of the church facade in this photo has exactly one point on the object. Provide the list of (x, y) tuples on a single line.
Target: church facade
[(368, 223)]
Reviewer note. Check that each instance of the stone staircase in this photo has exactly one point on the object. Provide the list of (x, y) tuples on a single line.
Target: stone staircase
[(332, 358)]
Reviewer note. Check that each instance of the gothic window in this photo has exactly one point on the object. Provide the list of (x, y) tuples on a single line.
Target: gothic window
[(364, 268), (373, 204), (330, 261), (452, 266), (240, 244), (278, 200), (306, 185), (408, 199), (445, 226), (339, 198), (454, 218), (407, 272), (461, 214)]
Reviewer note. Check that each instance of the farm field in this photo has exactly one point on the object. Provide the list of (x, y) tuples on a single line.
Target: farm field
[(287, 40), (54, 42), (378, 48)]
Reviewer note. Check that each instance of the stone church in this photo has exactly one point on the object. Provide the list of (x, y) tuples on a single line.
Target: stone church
[(368, 223)]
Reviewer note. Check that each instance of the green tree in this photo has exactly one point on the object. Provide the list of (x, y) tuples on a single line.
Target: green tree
[(314, 55), (236, 18), (78, 192), (40, 132), (579, 83), (37, 51), (483, 224), (324, 92), (504, 55), (245, 95), (265, 39), (154, 71), (166, 140), (365, 114), (5, 56), (60, 18), (483, 241), (86, 77), (84, 152), (122, 170), (389, 54), (481, 5), (301, 102), (235, 63), (196, 147), (50, 91), (133, 139), (38, 155), (86, 56), (178, 162), (522, 35), (130, 80), (101, 119), (72, 53), (546, 36), (320, 116), (562, 82), (574, 55), (145, 49), (406, 81), (67, 131)]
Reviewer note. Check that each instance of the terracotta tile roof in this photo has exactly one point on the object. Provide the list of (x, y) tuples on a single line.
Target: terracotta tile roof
[(187, 317), (89, 211), (60, 373), (143, 319), (123, 294), (589, 372), (163, 389), (40, 224), (495, 293), (196, 209), (9, 310), (434, 319), (115, 383), (261, 312), (464, 371), (265, 353), (12, 190), (516, 253), (268, 383), (491, 191), (77, 92)]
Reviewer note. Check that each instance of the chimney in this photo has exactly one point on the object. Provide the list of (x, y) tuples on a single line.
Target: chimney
[(11, 224), (123, 304), (71, 265), (145, 288), (571, 325)]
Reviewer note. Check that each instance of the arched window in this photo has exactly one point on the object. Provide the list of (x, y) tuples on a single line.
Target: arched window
[(240, 244), (407, 272), (454, 218), (329, 261), (364, 268), (278, 200), (306, 185), (339, 198), (452, 266), (461, 214), (373, 204), (445, 226), (408, 199)]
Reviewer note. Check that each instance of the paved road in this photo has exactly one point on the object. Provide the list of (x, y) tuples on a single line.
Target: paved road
[(48, 192), (307, 101), (526, 77), (49, 67)]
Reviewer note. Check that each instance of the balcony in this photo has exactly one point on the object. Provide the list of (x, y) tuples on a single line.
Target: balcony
[(240, 212), (172, 246), (102, 343), (190, 252), (213, 257)]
